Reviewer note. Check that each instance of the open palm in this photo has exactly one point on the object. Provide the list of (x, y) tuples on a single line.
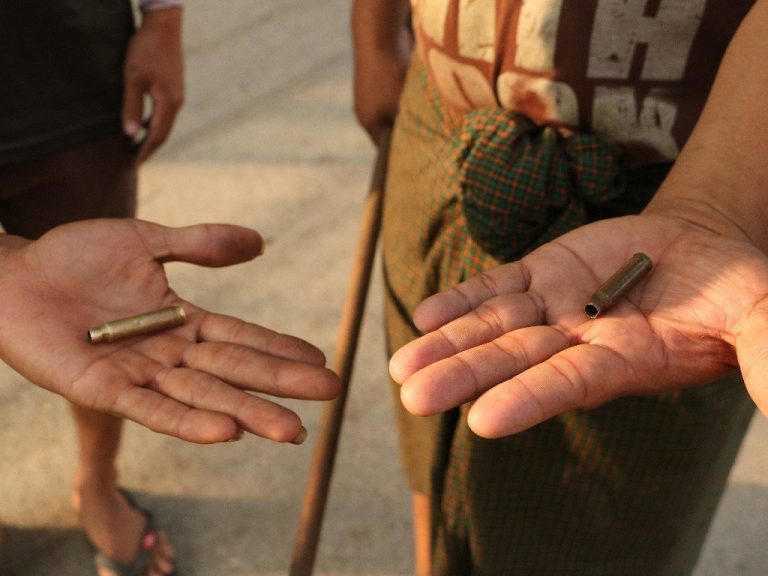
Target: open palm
[(517, 341), (190, 382)]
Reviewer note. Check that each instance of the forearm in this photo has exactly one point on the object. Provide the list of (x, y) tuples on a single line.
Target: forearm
[(377, 24), (720, 180), (382, 45), (166, 20)]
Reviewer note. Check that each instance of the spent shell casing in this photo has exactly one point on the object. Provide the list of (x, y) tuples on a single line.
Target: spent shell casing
[(137, 325), (618, 284)]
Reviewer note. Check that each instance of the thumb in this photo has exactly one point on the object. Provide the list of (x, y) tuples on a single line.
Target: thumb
[(752, 353), (211, 245)]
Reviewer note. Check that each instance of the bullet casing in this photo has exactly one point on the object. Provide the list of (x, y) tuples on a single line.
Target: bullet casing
[(138, 325), (617, 285)]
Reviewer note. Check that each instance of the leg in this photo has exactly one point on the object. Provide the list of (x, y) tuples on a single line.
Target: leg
[(416, 448), (629, 488), (421, 534), (96, 178), (113, 526)]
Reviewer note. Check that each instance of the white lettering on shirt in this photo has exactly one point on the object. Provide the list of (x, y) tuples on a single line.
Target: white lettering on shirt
[(620, 26), (615, 115), (537, 35)]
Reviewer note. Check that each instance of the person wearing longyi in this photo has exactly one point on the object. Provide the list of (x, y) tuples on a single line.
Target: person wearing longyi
[(532, 156)]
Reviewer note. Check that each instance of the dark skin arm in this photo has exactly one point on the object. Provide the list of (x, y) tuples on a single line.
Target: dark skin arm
[(154, 66), (382, 45)]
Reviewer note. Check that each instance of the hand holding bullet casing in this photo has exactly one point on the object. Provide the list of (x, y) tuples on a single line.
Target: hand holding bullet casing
[(137, 325)]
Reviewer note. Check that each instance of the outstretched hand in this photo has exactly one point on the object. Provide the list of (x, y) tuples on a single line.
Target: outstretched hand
[(516, 340), (191, 382)]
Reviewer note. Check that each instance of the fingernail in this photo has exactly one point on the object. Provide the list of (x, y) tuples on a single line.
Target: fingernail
[(301, 437), (237, 436), (264, 242), (131, 128)]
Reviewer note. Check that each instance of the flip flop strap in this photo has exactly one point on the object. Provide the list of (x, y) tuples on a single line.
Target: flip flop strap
[(146, 546)]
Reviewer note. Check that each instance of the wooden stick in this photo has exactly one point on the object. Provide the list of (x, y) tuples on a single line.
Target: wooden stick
[(321, 470)]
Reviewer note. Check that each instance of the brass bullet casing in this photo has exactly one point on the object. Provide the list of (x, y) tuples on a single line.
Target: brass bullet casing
[(137, 325), (618, 284)]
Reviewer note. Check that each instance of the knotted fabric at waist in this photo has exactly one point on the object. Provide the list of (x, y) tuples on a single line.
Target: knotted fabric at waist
[(523, 184)]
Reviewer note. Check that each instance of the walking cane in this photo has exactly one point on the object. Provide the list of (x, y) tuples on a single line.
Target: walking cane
[(324, 456)]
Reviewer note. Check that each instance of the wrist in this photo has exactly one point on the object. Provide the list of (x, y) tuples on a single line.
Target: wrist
[(168, 20), (155, 5), (378, 25), (10, 243), (706, 214)]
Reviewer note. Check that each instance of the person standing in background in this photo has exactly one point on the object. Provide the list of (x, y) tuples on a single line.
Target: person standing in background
[(74, 127), (516, 122)]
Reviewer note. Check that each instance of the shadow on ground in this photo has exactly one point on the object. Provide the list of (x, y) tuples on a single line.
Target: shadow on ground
[(736, 543), (244, 544)]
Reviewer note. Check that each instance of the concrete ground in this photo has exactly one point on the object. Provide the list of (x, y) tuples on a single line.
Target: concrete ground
[(267, 139)]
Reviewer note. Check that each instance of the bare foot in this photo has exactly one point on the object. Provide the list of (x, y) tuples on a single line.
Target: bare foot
[(115, 528)]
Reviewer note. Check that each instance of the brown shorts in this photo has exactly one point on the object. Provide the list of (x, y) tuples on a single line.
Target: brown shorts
[(94, 178)]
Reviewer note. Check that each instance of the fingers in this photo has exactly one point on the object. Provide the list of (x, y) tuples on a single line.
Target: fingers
[(446, 306), (490, 320), (260, 372), (166, 415), (251, 413), (218, 328), (191, 401), (203, 244), (577, 378), (467, 375), (165, 107), (244, 367), (246, 355), (214, 374), (133, 104), (119, 384)]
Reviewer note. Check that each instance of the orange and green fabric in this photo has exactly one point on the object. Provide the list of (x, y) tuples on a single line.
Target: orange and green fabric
[(629, 488), (523, 185)]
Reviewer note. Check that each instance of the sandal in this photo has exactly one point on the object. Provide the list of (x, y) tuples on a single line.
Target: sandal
[(149, 539)]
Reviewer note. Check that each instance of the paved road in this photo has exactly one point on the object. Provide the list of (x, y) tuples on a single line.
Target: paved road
[(267, 139)]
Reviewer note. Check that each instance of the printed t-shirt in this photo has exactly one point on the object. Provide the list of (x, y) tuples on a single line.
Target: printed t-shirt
[(636, 71)]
